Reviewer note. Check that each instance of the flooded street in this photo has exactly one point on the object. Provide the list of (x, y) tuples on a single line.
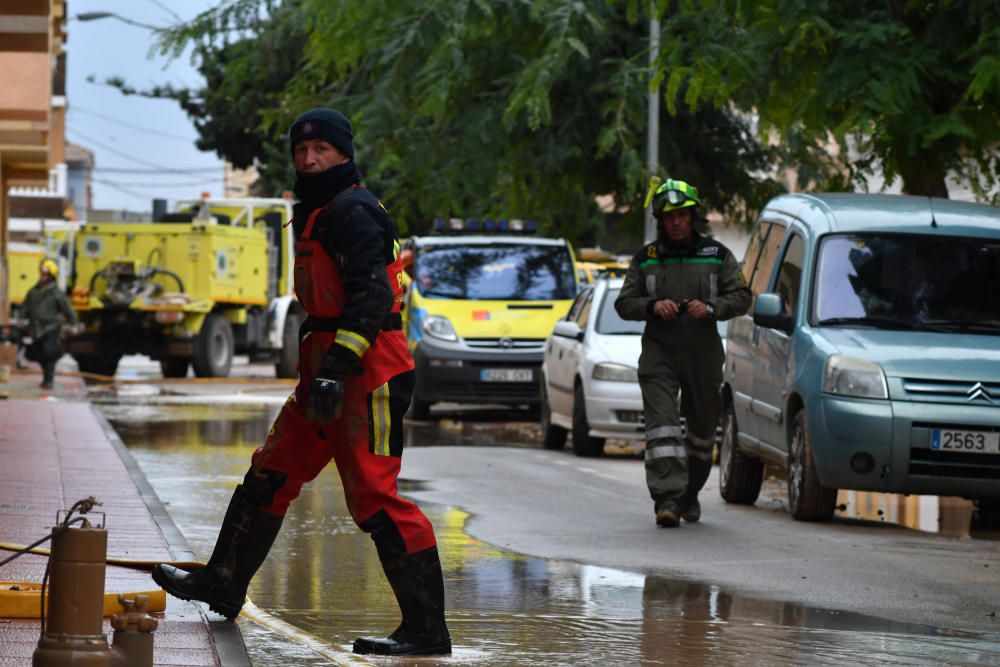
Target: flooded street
[(324, 578)]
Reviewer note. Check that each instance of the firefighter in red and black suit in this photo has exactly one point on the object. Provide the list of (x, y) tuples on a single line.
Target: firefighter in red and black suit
[(355, 382)]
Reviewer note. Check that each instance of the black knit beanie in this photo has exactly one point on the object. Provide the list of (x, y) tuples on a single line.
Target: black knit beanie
[(327, 124)]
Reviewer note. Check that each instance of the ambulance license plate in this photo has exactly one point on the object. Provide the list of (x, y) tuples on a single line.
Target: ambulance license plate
[(970, 442), (505, 375)]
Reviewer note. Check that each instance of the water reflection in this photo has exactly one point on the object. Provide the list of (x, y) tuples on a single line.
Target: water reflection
[(323, 576)]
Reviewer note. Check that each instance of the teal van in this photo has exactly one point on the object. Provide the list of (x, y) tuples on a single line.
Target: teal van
[(871, 360)]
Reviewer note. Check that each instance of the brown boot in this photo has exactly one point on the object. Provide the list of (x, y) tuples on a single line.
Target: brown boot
[(669, 515)]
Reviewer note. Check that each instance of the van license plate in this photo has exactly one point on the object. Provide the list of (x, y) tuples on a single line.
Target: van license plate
[(971, 442), (505, 375)]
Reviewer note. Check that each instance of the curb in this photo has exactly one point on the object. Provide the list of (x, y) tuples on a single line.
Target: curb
[(229, 644)]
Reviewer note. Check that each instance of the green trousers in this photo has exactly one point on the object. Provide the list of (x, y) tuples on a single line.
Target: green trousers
[(680, 380)]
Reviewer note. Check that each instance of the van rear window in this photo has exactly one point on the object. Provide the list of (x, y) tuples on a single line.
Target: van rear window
[(501, 271)]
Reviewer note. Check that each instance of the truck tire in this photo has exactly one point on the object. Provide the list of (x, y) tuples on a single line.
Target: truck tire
[(288, 355), (808, 500), (213, 348), (583, 444), (101, 363), (174, 367), (740, 476), (553, 437)]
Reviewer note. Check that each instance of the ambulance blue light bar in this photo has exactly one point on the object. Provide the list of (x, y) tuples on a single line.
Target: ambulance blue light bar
[(477, 226)]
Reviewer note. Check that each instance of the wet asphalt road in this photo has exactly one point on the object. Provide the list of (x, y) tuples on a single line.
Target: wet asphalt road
[(551, 559)]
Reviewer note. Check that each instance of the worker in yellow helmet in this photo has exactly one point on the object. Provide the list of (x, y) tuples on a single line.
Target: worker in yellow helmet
[(47, 308)]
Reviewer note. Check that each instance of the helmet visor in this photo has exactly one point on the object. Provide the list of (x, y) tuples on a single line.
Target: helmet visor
[(675, 197)]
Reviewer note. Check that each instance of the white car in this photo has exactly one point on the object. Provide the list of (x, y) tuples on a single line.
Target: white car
[(590, 382)]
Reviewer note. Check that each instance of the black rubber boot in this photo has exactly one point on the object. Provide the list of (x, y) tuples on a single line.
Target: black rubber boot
[(244, 539), (418, 584), (692, 508), (698, 472)]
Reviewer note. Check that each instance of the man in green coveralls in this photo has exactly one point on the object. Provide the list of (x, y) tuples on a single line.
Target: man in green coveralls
[(47, 308), (680, 284)]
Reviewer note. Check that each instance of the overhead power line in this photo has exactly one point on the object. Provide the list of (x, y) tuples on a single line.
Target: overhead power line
[(126, 156), (75, 108), (157, 184), (185, 171)]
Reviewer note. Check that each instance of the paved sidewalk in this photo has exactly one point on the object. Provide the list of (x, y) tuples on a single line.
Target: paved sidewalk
[(55, 451)]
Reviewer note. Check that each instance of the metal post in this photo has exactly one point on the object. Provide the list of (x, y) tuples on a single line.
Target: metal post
[(653, 121)]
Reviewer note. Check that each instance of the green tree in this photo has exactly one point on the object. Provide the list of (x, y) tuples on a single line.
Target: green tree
[(468, 108), (911, 88)]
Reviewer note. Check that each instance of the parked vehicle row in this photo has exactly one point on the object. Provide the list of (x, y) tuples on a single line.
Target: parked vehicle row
[(870, 360)]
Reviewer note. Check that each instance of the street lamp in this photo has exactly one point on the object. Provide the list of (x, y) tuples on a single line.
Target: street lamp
[(94, 16)]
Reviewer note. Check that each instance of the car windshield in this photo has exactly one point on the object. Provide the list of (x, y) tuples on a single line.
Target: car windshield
[(505, 271), (909, 281), (609, 322)]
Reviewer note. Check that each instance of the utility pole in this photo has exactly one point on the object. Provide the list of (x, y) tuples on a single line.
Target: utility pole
[(653, 120)]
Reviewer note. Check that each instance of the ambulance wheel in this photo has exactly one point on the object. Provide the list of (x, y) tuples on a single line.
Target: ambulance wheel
[(288, 355), (213, 348), (420, 410), (583, 444), (553, 437), (174, 367)]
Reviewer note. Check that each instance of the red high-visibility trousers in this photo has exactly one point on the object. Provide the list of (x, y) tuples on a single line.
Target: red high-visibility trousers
[(366, 443)]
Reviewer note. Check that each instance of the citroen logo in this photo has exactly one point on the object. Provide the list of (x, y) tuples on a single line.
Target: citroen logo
[(979, 391)]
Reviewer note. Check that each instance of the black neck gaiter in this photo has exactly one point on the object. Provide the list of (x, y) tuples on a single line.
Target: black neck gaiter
[(315, 190)]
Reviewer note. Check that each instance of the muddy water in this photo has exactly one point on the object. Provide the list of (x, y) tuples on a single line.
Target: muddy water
[(504, 609)]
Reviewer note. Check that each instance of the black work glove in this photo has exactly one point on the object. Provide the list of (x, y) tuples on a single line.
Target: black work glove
[(326, 393)]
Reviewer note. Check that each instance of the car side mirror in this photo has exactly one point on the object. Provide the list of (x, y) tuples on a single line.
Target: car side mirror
[(769, 311), (568, 329)]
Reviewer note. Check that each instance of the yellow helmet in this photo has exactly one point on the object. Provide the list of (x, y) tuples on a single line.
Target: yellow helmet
[(673, 195), (49, 267)]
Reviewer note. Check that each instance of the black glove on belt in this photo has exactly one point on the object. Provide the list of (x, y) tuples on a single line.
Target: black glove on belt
[(326, 392)]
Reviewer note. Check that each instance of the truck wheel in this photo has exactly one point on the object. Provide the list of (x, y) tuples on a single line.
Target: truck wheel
[(174, 367), (213, 347), (583, 444), (98, 364), (740, 476), (288, 355), (553, 437), (808, 500)]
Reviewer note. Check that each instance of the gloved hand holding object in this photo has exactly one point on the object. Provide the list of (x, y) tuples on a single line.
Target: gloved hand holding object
[(327, 390)]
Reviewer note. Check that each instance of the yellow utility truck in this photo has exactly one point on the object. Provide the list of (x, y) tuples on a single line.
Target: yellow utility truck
[(192, 287)]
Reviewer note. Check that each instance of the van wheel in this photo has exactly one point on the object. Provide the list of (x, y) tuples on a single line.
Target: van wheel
[(740, 476), (288, 355), (213, 347), (553, 437), (808, 500), (174, 367), (583, 444)]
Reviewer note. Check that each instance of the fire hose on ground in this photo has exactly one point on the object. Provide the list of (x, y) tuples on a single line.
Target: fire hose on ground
[(72, 628)]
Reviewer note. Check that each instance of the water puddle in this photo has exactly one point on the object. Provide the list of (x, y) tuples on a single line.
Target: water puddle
[(323, 577)]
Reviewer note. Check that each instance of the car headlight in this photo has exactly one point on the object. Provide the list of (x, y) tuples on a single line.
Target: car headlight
[(439, 327), (615, 373), (850, 376)]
